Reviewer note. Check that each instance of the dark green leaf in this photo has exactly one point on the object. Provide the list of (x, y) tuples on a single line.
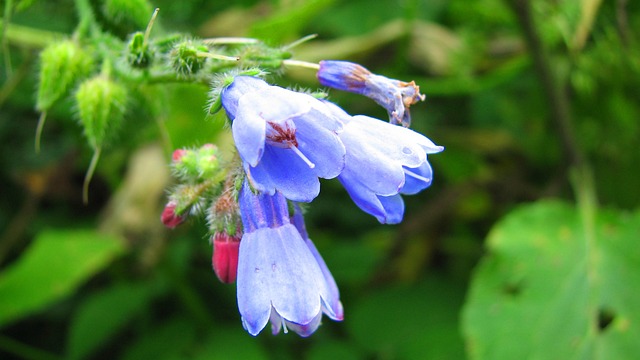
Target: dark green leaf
[(103, 314), (55, 264)]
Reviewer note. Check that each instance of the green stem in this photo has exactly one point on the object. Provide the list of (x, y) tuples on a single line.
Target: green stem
[(29, 37), (554, 90), (8, 7), (43, 117), (88, 24), (89, 175)]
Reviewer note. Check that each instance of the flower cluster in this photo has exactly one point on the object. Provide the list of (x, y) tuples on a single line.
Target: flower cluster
[(286, 141)]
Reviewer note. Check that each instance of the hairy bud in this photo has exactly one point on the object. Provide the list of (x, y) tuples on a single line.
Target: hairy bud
[(61, 63), (185, 59), (101, 106)]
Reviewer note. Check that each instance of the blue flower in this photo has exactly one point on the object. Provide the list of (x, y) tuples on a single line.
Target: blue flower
[(280, 277), (382, 162), (286, 139), (394, 95)]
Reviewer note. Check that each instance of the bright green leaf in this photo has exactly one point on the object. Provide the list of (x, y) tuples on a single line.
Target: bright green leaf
[(54, 265), (546, 291), (103, 314)]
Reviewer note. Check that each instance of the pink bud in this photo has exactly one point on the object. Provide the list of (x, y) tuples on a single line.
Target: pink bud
[(169, 217), (178, 154), (225, 256)]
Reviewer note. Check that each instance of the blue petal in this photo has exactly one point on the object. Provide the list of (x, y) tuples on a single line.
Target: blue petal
[(275, 104), (240, 86), (412, 184), (367, 164), (331, 299), (401, 144), (323, 147), (393, 208), (261, 210), (366, 200), (276, 268), (343, 75), (249, 132), (282, 170)]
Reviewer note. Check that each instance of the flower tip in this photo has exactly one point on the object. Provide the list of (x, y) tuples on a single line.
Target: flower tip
[(169, 217)]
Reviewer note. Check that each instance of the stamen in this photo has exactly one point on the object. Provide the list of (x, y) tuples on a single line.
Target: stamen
[(414, 175), (304, 158)]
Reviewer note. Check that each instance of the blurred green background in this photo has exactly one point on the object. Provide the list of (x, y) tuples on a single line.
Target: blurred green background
[(526, 246)]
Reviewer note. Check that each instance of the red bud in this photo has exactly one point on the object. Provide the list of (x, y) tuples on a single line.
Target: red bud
[(178, 154), (169, 217), (225, 257)]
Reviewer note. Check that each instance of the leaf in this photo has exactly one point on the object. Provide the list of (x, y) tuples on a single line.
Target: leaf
[(170, 340), (287, 20), (53, 266), (416, 322), (546, 291), (230, 343), (103, 314)]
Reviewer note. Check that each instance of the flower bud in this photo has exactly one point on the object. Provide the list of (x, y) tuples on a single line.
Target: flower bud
[(169, 217), (101, 106), (61, 64), (139, 55), (196, 165), (225, 256), (185, 59), (394, 95)]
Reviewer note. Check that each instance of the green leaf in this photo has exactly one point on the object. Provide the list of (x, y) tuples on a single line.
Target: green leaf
[(409, 322), (288, 20), (103, 314), (53, 266), (552, 288), (171, 340), (230, 343)]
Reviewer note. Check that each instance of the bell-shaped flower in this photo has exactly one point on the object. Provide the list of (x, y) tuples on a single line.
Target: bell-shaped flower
[(382, 162), (279, 277), (286, 139), (394, 95)]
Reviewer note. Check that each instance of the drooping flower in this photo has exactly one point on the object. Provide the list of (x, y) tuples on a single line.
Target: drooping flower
[(382, 162), (286, 139), (334, 307), (394, 95), (279, 278)]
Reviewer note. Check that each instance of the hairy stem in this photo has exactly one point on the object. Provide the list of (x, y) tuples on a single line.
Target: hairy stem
[(554, 91)]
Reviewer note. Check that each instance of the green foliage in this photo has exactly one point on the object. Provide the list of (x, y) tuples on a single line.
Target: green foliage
[(551, 284), (53, 266), (103, 314), (554, 287), (422, 317)]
